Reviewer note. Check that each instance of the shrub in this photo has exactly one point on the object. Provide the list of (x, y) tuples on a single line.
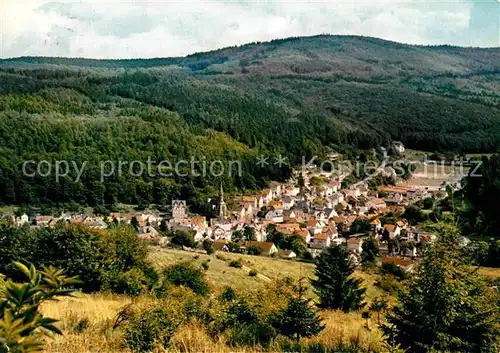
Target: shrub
[(204, 264), (240, 312), (124, 249), (97, 257), (236, 264), (145, 329), (208, 247), (151, 275), (227, 295), (186, 275), (252, 335), (81, 325), (393, 269), (254, 250), (252, 273), (132, 282), (181, 238), (388, 284), (308, 256)]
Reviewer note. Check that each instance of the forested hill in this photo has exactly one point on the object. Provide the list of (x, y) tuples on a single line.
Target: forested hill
[(297, 96)]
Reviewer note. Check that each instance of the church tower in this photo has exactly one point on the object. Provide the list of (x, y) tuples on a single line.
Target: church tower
[(221, 206)]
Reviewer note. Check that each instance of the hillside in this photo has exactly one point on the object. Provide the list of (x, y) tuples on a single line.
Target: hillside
[(342, 328), (295, 97)]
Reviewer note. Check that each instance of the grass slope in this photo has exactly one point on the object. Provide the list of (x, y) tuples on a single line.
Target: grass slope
[(87, 320)]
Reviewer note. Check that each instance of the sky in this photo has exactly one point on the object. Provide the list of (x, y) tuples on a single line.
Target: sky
[(165, 28)]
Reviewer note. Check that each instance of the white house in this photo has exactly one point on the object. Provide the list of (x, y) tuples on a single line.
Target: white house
[(24, 219), (315, 226), (393, 230), (274, 216), (355, 245), (320, 241), (286, 254)]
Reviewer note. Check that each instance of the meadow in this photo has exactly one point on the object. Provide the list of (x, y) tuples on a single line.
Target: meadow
[(87, 320)]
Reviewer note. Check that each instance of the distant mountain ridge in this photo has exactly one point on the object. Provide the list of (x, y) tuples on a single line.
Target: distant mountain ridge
[(296, 97), (318, 48)]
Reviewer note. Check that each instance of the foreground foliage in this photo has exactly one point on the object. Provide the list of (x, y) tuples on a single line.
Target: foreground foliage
[(446, 307), (22, 326), (100, 258)]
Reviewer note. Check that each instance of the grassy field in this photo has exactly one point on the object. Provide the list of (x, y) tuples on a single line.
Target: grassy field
[(87, 321), (491, 272), (432, 176)]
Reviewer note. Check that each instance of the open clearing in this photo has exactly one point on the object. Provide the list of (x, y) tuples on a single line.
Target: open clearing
[(432, 176)]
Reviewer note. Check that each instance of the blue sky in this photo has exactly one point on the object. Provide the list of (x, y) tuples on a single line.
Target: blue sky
[(162, 28)]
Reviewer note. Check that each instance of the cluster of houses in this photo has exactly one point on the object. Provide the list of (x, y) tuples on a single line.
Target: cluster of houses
[(146, 222), (319, 211)]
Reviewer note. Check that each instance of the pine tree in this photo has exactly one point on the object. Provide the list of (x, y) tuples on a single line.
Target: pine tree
[(335, 285), (446, 306), (299, 318), (370, 250)]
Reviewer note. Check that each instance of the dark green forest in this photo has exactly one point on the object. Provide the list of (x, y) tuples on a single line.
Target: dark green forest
[(295, 97), (482, 197)]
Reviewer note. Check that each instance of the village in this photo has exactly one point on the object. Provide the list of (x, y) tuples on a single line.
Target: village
[(312, 206)]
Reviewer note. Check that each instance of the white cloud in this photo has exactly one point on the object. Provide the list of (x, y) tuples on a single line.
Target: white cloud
[(121, 28)]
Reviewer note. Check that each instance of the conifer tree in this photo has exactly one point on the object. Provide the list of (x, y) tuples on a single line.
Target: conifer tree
[(299, 318), (334, 283), (446, 306)]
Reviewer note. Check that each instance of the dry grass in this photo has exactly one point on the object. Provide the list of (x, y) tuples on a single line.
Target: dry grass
[(219, 274), (491, 272), (98, 337), (432, 175), (87, 323), (87, 320)]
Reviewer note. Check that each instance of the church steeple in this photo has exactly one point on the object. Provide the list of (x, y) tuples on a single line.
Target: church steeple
[(222, 208)]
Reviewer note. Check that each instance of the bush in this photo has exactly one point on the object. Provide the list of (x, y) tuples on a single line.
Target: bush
[(393, 269), (388, 284), (81, 325), (254, 250), (227, 295), (124, 249), (252, 273), (181, 238), (208, 247), (240, 312), (308, 256), (236, 264), (151, 275), (132, 282), (252, 335), (99, 258), (185, 274), (148, 328), (77, 249)]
